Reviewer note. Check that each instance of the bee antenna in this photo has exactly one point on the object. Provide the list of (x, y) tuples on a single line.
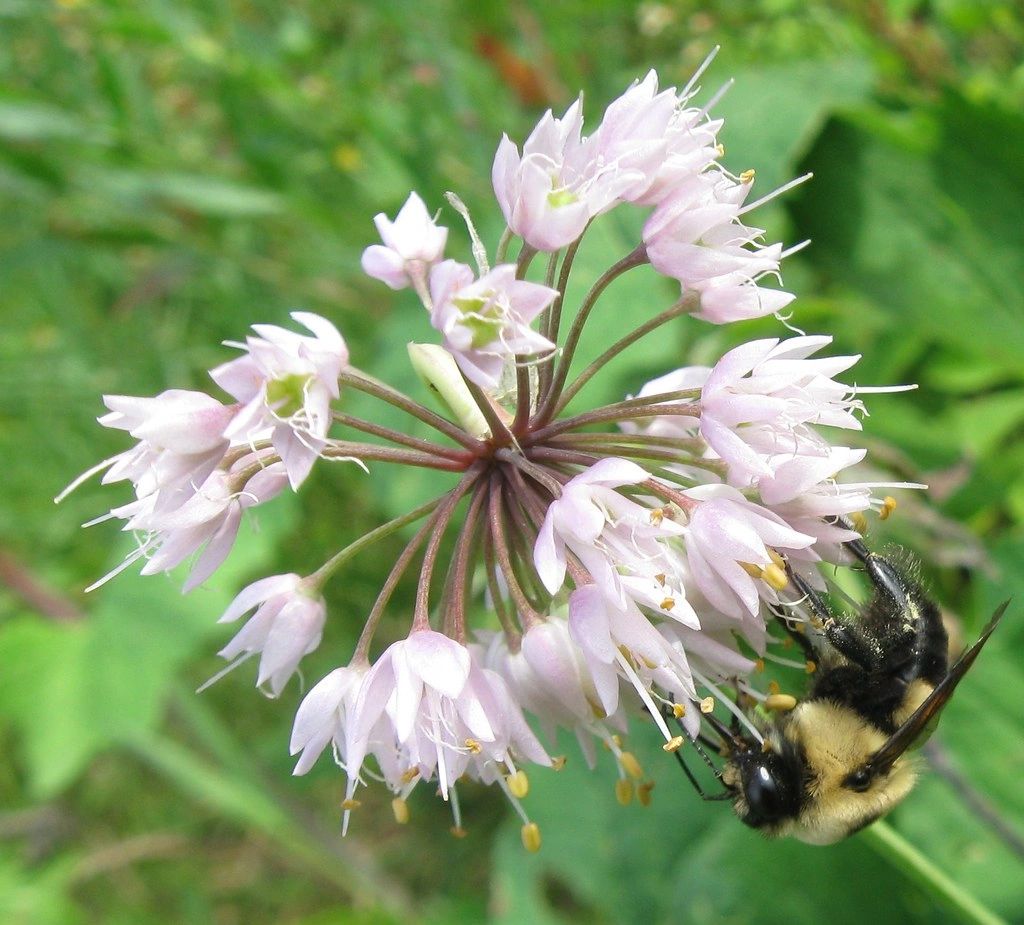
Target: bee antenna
[(729, 738), (727, 794)]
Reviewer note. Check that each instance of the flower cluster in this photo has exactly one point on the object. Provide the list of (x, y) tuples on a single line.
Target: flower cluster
[(616, 562)]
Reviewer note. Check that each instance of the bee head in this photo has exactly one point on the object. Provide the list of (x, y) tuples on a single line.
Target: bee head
[(769, 784)]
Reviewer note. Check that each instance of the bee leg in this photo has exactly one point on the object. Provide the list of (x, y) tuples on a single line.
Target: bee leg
[(799, 638), (892, 591), (707, 797), (890, 585), (849, 641), (842, 635)]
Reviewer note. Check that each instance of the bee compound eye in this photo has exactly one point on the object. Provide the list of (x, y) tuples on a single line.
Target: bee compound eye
[(764, 795), (859, 780)]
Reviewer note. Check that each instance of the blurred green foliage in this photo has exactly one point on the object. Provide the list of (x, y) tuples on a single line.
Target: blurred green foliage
[(173, 171)]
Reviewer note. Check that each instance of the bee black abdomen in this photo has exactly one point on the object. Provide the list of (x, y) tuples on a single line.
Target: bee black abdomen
[(934, 654), (898, 639), (873, 696)]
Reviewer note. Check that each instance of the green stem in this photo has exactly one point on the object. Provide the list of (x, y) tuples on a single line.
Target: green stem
[(887, 842), (682, 307), (331, 565), (635, 258)]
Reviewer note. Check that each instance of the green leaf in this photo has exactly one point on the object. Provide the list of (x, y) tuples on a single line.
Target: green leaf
[(38, 122), (930, 225), (795, 100), (215, 196), (74, 690), (984, 422), (36, 894)]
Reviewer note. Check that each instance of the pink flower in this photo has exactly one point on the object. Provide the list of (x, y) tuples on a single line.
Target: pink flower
[(412, 243), (726, 537), (622, 642), (181, 440), (207, 521), (618, 541), (322, 716), (549, 677), (486, 322), (444, 714), (286, 382), (793, 476), (759, 399), (646, 144), (696, 237), (188, 423), (632, 137), (287, 624), (544, 194)]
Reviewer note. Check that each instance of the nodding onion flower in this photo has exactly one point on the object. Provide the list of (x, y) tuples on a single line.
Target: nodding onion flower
[(606, 564)]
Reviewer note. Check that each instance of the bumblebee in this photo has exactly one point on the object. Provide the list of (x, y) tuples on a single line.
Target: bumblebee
[(836, 762)]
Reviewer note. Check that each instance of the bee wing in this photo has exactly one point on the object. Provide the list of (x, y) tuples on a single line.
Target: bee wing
[(928, 712)]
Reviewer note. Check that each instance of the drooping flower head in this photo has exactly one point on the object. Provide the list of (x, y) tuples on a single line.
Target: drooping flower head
[(585, 568)]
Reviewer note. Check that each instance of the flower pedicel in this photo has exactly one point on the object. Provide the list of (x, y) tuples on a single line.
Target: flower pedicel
[(606, 563)]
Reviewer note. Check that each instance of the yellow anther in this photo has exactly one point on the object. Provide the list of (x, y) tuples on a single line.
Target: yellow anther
[(801, 627), (474, 747), (530, 834), (759, 665), (888, 506), (630, 765), (747, 176), (783, 703), (657, 516), (766, 747), (643, 792), (773, 687), (754, 571), (457, 831), (775, 557), (720, 149), (668, 603), (661, 579), (707, 705), (811, 666), (558, 762), (673, 744), (787, 643), (775, 577), (859, 522), (401, 810), (624, 791), (816, 622), (409, 776), (678, 710), (350, 804), (617, 739), (518, 784)]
